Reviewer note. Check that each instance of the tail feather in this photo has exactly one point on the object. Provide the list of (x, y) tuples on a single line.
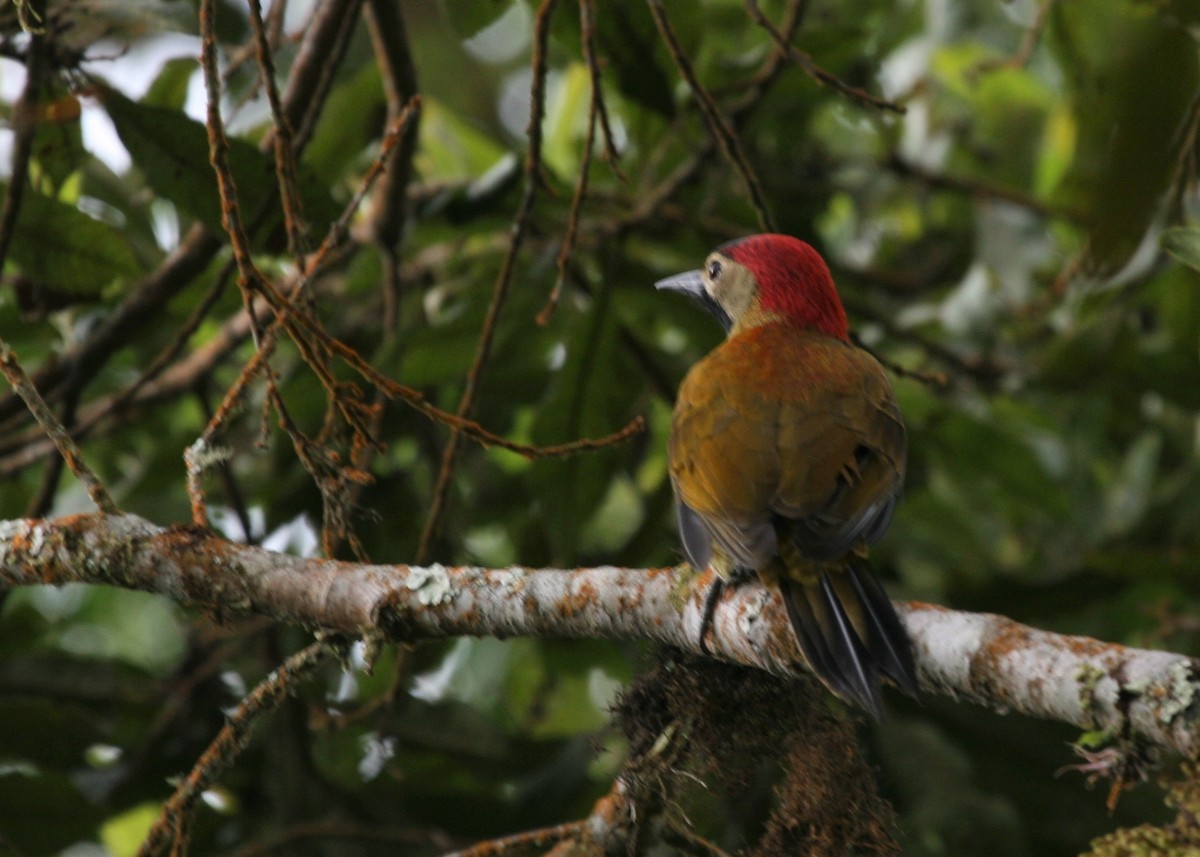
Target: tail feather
[(850, 634), (889, 643), (830, 644)]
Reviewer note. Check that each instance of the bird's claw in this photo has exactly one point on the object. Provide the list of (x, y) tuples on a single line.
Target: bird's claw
[(710, 608)]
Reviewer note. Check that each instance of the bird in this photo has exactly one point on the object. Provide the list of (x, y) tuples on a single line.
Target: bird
[(787, 455)]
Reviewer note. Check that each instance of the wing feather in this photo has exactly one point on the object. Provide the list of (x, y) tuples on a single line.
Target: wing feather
[(783, 425)]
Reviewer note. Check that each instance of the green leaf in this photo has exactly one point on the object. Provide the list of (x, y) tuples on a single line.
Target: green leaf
[(1134, 73), (57, 245), (1183, 242), (616, 520), (170, 88), (628, 41), (58, 152), (1004, 108), (451, 148), (351, 121), (565, 125), (588, 397), (469, 17), (558, 689), (123, 834), (44, 812), (1128, 497), (171, 150)]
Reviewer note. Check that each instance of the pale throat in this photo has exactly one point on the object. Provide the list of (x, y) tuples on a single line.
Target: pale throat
[(755, 316)]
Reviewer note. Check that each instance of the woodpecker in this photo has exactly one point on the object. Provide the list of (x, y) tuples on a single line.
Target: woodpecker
[(787, 455)]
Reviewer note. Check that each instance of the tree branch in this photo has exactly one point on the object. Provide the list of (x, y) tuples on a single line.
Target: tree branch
[(1133, 694)]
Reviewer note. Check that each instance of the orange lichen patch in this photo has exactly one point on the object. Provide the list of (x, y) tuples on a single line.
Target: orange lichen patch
[(469, 618), (780, 641), (628, 601), (610, 810), (985, 666), (531, 605), (1011, 637), (25, 540), (1086, 647), (80, 520), (1014, 637), (578, 600), (188, 539), (925, 605)]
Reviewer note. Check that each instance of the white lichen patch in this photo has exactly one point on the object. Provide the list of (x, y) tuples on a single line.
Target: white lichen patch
[(37, 538), (752, 615), (510, 580), (951, 641), (9, 530), (1182, 687), (201, 456), (1137, 686), (432, 584), (470, 575)]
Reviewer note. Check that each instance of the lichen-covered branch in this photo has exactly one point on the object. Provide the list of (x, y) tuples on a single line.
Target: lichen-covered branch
[(1136, 694)]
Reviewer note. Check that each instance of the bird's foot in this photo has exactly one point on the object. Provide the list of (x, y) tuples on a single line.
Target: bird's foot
[(710, 608)]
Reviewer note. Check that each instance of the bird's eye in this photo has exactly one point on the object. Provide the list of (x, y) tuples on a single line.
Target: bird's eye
[(714, 269)]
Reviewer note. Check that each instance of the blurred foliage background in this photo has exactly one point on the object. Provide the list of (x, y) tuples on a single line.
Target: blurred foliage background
[(1016, 243)]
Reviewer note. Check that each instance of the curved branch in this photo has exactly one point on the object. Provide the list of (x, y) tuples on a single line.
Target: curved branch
[(977, 657)]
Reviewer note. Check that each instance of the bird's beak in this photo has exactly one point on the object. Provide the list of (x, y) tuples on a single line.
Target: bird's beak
[(691, 283)]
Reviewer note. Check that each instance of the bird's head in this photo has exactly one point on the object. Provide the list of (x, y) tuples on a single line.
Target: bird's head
[(764, 278)]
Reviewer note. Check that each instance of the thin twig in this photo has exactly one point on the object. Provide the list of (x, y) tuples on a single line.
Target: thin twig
[(71, 453), (984, 370), (816, 72), (793, 16), (24, 124), (340, 830), (200, 454), (233, 491), (568, 242), (1029, 42), (276, 16), (718, 125), (689, 842), (249, 277), (320, 54), (229, 743), (305, 332), (587, 30), (1183, 177), (285, 152), (533, 160), (397, 130), (393, 55), (529, 840), (43, 501), (977, 188), (933, 379), (648, 205), (317, 64), (597, 112)]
